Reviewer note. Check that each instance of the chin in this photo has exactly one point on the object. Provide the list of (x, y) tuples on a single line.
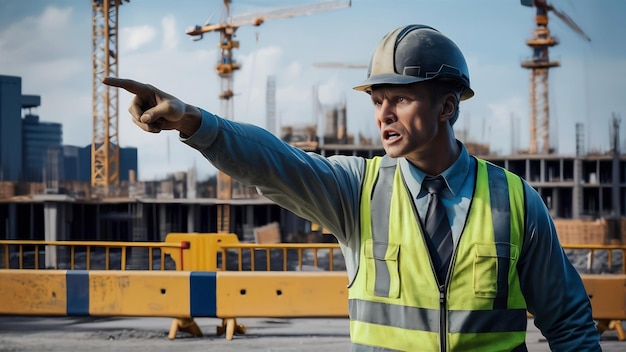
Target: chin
[(391, 152)]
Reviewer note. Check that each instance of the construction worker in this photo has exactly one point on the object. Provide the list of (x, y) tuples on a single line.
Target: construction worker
[(464, 283)]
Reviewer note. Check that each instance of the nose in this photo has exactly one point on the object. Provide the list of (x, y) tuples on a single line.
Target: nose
[(386, 114)]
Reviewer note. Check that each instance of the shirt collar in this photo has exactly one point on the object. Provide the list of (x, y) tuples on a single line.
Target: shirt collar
[(454, 175)]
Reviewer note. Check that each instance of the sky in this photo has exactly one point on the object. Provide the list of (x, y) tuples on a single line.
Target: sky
[(48, 44)]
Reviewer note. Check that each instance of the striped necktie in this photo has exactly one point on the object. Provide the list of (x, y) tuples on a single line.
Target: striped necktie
[(438, 228)]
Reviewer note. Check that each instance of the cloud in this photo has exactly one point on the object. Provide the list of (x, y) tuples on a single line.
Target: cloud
[(170, 32), (54, 62), (331, 91), (133, 38), (36, 39), (53, 17), (501, 122)]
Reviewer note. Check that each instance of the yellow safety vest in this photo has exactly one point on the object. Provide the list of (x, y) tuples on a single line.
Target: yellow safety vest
[(395, 302)]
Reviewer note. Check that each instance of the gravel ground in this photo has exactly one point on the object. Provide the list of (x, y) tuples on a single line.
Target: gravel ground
[(62, 334)]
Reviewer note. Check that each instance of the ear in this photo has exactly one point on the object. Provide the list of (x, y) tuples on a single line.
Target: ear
[(448, 107)]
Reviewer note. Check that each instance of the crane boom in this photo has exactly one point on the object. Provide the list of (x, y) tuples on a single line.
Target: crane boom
[(290, 11), (256, 19)]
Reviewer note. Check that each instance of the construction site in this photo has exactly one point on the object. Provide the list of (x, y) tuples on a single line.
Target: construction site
[(585, 192), (184, 249)]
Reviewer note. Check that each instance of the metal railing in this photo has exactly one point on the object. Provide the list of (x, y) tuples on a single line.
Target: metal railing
[(88, 255), (281, 257), (104, 255), (593, 248)]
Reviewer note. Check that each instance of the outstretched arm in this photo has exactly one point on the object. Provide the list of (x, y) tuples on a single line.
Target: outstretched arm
[(324, 190)]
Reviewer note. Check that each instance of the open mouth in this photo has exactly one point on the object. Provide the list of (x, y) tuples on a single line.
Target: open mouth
[(390, 136)]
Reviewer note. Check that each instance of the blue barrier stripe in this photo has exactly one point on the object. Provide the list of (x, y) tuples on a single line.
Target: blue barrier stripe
[(203, 294), (77, 292)]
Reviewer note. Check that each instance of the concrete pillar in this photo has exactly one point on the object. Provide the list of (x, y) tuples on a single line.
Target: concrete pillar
[(139, 258), (164, 226), (50, 213), (556, 201), (192, 215), (54, 221), (250, 215), (577, 192)]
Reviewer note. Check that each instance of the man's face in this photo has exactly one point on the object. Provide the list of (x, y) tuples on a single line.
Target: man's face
[(407, 118)]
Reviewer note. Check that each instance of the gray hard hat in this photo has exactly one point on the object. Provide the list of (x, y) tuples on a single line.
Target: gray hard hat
[(417, 53)]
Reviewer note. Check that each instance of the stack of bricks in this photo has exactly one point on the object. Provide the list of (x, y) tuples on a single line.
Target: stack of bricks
[(7, 189), (583, 231)]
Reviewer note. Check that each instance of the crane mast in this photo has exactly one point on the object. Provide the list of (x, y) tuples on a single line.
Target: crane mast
[(105, 158), (539, 66)]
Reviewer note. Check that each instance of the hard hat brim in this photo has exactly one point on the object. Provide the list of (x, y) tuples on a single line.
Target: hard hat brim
[(394, 78), (387, 78)]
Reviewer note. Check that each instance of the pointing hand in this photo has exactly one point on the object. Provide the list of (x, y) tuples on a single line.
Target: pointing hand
[(153, 110)]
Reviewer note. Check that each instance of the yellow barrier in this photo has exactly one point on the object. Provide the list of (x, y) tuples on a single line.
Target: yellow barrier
[(249, 251), (33, 292), (606, 291), (86, 250), (608, 301), (208, 289), (278, 294), (177, 294), (181, 295), (202, 250), (108, 293)]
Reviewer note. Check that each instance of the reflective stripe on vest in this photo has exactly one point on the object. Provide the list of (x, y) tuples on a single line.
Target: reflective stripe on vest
[(475, 321), (488, 309)]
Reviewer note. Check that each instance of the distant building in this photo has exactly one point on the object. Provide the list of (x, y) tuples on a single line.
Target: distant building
[(41, 149), (128, 163), (73, 166), (336, 129), (10, 128), (77, 163), (32, 150)]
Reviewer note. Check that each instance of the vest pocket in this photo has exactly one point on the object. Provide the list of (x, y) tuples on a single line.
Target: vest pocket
[(486, 258), (382, 275)]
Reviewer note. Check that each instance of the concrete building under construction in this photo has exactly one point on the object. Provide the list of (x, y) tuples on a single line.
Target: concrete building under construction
[(584, 188)]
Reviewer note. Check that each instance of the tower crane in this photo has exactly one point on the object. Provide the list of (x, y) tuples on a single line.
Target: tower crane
[(227, 65), (539, 65), (105, 153)]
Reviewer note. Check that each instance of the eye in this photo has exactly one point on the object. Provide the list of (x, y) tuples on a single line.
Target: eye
[(376, 102)]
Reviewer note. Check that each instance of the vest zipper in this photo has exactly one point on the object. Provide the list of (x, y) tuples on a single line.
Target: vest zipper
[(442, 318), (443, 332)]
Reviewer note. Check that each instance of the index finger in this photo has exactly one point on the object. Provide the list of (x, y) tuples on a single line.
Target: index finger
[(134, 87)]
